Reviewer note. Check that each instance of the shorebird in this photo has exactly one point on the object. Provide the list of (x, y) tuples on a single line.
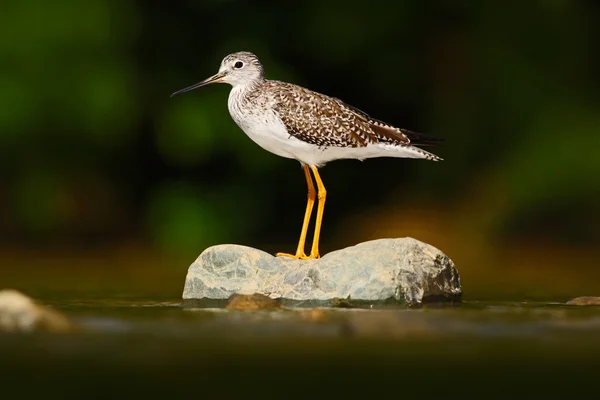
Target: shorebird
[(312, 128)]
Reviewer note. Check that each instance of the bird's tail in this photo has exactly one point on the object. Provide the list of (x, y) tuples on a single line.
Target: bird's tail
[(419, 139)]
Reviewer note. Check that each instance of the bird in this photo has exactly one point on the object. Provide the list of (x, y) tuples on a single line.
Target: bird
[(297, 123)]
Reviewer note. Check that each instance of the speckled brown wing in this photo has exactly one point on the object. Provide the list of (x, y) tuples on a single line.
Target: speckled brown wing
[(328, 121), (320, 120)]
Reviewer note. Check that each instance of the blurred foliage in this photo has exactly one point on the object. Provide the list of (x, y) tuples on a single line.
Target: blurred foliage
[(93, 150)]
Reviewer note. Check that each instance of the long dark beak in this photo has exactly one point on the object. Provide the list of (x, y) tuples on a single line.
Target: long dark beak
[(213, 79)]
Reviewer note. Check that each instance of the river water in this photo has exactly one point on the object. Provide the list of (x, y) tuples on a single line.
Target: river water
[(159, 348)]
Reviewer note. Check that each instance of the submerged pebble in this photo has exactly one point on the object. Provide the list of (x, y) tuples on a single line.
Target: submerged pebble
[(252, 302)]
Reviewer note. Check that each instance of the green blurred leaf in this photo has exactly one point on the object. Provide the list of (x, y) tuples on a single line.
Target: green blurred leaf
[(555, 158), (187, 134), (183, 220)]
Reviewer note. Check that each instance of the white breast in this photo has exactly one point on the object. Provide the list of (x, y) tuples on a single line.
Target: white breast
[(258, 120)]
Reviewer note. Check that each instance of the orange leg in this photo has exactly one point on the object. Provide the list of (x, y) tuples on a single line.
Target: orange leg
[(322, 194), (309, 206)]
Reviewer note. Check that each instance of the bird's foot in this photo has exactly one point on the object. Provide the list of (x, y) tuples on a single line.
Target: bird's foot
[(297, 256)]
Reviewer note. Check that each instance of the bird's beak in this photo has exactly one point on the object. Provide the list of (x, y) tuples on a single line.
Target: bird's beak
[(213, 79)]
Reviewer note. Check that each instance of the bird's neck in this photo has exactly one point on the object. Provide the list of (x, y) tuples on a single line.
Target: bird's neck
[(239, 95), (247, 87), (241, 92)]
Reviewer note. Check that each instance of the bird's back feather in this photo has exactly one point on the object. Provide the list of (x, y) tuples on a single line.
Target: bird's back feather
[(329, 122)]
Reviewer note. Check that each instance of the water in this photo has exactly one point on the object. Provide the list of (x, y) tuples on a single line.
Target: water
[(157, 348)]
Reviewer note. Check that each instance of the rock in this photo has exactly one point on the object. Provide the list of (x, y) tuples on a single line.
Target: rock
[(252, 302), (584, 301), (19, 313), (398, 270)]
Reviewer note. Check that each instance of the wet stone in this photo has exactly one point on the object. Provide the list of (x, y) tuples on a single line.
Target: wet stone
[(19, 313), (584, 301), (252, 302), (402, 270)]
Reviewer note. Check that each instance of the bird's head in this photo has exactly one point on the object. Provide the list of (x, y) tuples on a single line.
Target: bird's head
[(237, 69)]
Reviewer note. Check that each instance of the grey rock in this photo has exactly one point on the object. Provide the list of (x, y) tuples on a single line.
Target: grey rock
[(19, 313), (402, 270)]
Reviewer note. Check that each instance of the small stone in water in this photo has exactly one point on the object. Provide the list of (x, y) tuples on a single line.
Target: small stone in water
[(584, 301), (19, 313), (252, 302)]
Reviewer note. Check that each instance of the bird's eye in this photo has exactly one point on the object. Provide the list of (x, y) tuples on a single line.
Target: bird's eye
[(238, 65)]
